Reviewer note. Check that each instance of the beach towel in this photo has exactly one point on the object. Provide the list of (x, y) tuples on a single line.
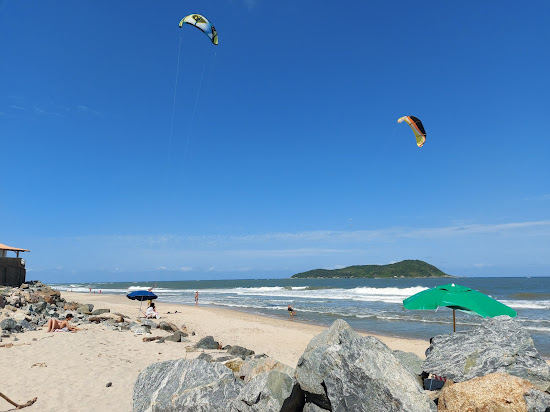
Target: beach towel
[(65, 329)]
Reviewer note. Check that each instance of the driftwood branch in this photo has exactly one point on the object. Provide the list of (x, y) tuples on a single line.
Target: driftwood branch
[(29, 403), (152, 338)]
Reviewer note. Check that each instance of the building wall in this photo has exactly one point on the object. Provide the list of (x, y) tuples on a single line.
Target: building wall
[(12, 271)]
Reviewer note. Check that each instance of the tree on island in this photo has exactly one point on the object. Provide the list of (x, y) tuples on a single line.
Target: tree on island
[(403, 269)]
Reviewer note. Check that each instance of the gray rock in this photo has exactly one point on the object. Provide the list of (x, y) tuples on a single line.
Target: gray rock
[(223, 358), (141, 330), (308, 367), (311, 407), (537, 401), (149, 323), (270, 391), (240, 351), (26, 325), (40, 307), (343, 371), (253, 367), (206, 357), (167, 326), (412, 362), (100, 311), (176, 337), (499, 344), (185, 385), (8, 324), (207, 342), (85, 309)]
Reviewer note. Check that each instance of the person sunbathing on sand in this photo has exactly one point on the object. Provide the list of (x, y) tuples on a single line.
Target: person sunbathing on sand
[(56, 325)]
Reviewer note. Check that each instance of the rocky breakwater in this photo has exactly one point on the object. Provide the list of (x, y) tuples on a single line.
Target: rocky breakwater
[(339, 371), (29, 307), (343, 371)]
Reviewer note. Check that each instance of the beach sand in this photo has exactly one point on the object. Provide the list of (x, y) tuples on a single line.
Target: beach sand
[(70, 371)]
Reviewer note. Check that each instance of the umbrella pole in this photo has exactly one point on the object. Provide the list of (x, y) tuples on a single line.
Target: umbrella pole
[(454, 321)]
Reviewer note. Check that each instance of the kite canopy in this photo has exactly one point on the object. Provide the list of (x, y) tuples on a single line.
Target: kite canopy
[(459, 298), (201, 23), (417, 128)]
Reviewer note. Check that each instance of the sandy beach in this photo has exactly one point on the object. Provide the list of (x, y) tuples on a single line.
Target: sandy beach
[(70, 371)]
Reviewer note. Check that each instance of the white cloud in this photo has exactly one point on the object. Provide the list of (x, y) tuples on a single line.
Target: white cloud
[(481, 265), (86, 109), (335, 267), (468, 245), (370, 235)]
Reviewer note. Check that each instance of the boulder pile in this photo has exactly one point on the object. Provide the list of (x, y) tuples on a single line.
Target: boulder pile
[(342, 371), (29, 307)]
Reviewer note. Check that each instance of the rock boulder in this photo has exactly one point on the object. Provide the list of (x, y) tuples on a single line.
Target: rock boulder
[(499, 344), (207, 342), (253, 367), (343, 371), (493, 392), (188, 385), (270, 391)]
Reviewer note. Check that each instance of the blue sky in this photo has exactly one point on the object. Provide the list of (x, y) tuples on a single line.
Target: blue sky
[(277, 151)]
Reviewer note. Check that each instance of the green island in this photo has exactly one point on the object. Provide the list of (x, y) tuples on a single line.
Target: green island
[(403, 269)]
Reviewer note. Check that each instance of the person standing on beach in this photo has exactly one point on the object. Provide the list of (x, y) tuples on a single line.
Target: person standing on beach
[(291, 310), (197, 298)]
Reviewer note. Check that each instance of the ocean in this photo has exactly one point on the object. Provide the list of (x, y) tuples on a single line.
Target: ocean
[(368, 305)]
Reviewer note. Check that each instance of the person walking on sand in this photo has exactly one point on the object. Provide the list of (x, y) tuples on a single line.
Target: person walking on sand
[(62, 326), (291, 310), (197, 298)]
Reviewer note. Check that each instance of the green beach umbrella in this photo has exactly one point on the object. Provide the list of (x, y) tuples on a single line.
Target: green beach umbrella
[(460, 298)]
